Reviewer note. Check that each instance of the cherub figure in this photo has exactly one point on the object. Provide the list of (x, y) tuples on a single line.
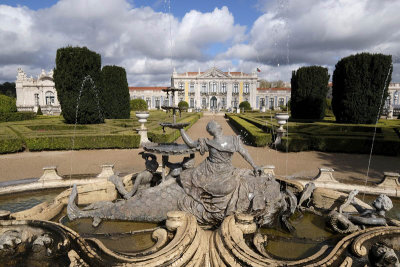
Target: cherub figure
[(143, 178), (346, 222)]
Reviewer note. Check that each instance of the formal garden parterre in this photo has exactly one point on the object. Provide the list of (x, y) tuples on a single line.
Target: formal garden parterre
[(52, 133), (321, 135)]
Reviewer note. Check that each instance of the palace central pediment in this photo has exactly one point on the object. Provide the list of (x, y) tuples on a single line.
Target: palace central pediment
[(214, 73)]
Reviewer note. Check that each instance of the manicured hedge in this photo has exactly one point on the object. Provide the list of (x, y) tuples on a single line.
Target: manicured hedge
[(16, 116), (250, 132), (82, 142), (158, 136), (50, 127), (10, 145), (340, 144)]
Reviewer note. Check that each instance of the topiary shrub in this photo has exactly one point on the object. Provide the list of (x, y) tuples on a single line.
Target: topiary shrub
[(358, 84), (39, 111), (309, 89), (245, 105), (138, 104), (7, 104), (77, 81), (183, 105), (115, 93)]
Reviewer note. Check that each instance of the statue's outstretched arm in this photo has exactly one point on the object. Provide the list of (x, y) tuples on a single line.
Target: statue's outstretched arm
[(188, 141), (245, 154)]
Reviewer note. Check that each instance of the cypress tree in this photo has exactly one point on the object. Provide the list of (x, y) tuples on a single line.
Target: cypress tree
[(358, 85), (115, 92), (309, 89), (77, 81)]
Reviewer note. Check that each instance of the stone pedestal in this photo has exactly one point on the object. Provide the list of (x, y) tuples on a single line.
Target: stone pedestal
[(281, 119), (143, 136), (390, 179), (269, 169), (325, 175), (142, 131), (50, 173), (106, 171)]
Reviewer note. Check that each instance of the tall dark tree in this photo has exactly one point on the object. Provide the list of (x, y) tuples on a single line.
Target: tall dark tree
[(360, 85), (8, 89), (77, 81), (309, 89), (115, 92)]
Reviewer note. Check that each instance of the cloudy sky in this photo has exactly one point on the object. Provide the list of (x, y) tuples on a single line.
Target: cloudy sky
[(152, 37)]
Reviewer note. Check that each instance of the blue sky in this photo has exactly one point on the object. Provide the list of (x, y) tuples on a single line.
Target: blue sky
[(277, 36)]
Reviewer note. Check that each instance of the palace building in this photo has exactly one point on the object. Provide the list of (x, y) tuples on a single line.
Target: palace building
[(35, 92), (214, 90)]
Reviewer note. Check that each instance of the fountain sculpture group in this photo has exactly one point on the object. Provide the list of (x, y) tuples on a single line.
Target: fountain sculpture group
[(210, 215)]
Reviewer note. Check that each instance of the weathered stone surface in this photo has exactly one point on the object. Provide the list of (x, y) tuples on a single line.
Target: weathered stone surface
[(106, 171), (50, 173), (329, 200)]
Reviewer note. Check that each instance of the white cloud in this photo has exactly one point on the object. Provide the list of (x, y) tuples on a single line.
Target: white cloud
[(136, 38), (288, 33), (320, 32)]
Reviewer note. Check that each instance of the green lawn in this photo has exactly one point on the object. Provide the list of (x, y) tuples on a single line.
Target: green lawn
[(51, 133), (327, 135)]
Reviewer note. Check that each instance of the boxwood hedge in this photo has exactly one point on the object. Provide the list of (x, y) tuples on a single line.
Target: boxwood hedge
[(250, 133), (82, 142)]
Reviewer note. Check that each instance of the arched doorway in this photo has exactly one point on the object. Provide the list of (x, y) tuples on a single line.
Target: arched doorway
[(213, 102)]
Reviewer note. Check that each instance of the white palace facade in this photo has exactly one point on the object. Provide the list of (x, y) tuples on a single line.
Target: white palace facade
[(214, 90)]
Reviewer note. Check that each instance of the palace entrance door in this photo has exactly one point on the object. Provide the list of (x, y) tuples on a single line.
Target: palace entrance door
[(213, 103)]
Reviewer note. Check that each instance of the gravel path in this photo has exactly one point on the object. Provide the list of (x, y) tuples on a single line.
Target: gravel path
[(347, 166)]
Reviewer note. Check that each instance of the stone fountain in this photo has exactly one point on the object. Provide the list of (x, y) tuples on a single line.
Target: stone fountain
[(212, 214)]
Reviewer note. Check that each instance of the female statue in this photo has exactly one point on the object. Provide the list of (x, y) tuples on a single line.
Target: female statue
[(211, 191)]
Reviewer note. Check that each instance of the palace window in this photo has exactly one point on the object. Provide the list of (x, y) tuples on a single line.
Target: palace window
[(246, 89), (271, 103), (281, 101), (191, 103), (148, 101), (157, 105), (49, 98), (235, 103), (204, 88), (223, 102), (36, 99), (235, 88), (191, 88), (180, 85), (214, 87), (262, 102), (204, 102), (223, 88)]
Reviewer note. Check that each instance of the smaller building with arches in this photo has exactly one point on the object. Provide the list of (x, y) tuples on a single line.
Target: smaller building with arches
[(32, 93)]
